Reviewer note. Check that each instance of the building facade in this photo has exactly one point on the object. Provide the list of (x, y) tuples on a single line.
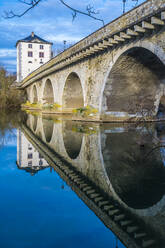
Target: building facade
[(32, 52)]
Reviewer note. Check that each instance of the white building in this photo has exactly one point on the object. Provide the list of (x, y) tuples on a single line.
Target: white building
[(32, 52), (28, 158)]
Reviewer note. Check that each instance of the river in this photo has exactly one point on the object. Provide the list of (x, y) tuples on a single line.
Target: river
[(75, 184)]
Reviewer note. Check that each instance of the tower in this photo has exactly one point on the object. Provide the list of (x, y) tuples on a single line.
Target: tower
[(32, 52)]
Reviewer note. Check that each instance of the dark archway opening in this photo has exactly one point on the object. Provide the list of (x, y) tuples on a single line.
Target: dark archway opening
[(73, 93), (35, 97), (161, 108), (133, 82), (48, 96)]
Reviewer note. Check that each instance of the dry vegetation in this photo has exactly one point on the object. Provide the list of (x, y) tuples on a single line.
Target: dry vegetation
[(10, 98)]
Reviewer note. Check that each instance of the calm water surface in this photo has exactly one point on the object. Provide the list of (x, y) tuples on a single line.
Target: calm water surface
[(42, 205)]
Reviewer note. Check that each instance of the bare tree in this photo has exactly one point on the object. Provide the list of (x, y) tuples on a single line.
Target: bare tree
[(89, 10)]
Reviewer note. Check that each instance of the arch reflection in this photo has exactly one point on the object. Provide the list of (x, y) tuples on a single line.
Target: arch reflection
[(72, 139), (34, 122), (48, 129), (135, 171)]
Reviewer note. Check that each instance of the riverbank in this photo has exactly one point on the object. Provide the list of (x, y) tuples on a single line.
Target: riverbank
[(10, 98), (89, 116)]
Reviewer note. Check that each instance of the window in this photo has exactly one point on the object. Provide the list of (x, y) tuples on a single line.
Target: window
[(41, 47), (30, 163), (30, 155), (30, 54), (29, 45), (41, 55)]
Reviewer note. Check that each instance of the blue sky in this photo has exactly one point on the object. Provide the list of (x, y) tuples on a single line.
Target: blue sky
[(51, 21)]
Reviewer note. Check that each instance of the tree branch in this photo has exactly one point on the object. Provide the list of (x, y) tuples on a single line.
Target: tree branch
[(32, 4), (90, 12), (25, 2)]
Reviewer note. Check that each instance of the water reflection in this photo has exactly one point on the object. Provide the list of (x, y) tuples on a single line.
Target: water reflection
[(7, 123), (48, 129), (72, 139), (28, 158), (34, 123), (119, 168), (137, 176)]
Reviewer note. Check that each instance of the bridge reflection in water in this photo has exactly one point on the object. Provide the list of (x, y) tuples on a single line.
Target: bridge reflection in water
[(118, 171)]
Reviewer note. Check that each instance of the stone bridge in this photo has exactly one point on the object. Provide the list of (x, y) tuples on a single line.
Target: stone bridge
[(118, 70), (85, 157)]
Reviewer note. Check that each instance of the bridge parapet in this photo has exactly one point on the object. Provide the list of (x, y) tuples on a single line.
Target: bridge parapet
[(129, 26)]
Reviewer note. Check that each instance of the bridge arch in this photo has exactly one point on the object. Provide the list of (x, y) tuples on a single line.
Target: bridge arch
[(48, 92), (72, 92), (136, 71), (34, 94)]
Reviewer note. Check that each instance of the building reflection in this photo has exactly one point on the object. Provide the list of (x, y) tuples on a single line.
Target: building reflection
[(28, 158)]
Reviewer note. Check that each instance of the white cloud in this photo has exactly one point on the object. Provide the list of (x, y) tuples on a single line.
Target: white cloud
[(62, 37), (11, 62), (4, 53)]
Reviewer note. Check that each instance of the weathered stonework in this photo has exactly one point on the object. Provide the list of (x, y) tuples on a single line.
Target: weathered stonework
[(96, 59)]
